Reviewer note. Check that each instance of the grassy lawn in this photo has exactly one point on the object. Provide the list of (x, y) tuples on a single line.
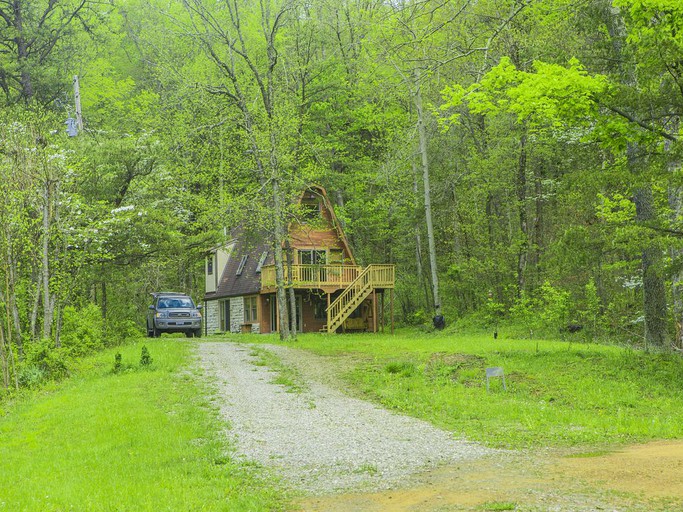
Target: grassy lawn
[(559, 394), (141, 439)]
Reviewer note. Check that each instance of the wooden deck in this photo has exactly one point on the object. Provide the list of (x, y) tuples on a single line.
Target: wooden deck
[(356, 283), (323, 277)]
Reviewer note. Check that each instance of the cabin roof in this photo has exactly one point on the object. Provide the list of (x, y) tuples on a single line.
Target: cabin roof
[(248, 281), (253, 245)]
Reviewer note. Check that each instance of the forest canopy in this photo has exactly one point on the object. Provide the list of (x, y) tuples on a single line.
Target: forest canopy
[(518, 161)]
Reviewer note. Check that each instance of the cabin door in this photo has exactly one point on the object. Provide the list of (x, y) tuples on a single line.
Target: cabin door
[(225, 316)]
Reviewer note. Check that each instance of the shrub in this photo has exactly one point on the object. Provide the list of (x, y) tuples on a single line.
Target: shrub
[(145, 358), (43, 362), (117, 362), (82, 330)]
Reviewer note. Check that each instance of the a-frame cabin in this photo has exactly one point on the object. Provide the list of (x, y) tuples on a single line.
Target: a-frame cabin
[(333, 293)]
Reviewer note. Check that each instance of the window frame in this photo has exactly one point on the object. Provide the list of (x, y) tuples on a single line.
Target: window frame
[(261, 261), (240, 268), (251, 309)]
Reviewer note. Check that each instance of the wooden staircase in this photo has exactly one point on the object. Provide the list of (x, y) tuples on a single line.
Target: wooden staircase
[(373, 277)]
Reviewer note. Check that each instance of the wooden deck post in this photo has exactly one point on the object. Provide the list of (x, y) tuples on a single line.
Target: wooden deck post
[(381, 309), (277, 314), (374, 310)]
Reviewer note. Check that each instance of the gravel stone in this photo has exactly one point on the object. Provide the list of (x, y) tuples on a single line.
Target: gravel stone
[(321, 440)]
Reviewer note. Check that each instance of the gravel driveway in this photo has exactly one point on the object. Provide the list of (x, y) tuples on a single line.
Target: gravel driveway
[(321, 440)]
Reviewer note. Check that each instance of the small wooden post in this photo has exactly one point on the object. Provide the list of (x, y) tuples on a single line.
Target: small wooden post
[(374, 310), (277, 314)]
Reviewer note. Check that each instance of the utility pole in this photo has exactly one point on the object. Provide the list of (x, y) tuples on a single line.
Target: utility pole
[(77, 99)]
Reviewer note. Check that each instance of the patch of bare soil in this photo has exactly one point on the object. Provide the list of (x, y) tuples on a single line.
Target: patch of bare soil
[(639, 478), (645, 477)]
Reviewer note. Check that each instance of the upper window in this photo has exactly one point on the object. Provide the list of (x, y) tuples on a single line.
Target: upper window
[(261, 261), (241, 266), (209, 265), (312, 257), (310, 210)]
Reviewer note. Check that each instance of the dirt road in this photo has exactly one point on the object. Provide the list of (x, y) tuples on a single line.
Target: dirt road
[(636, 478)]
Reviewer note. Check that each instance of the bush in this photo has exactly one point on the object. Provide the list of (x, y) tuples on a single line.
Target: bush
[(43, 362), (145, 357), (122, 332), (418, 317), (82, 330)]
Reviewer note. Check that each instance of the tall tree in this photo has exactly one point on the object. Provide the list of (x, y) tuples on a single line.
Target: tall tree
[(35, 35)]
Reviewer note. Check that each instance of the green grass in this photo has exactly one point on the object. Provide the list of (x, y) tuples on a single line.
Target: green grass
[(285, 375), (558, 394), (141, 439)]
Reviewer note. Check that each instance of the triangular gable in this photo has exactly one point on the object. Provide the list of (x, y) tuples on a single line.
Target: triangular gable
[(322, 193)]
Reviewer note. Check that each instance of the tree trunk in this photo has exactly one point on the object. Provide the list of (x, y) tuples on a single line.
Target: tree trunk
[(427, 193), (36, 306), (279, 261), (47, 299), (654, 291), (22, 51), (421, 281), (58, 325), (523, 222), (290, 289), (676, 205), (12, 298), (4, 359), (539, 175)]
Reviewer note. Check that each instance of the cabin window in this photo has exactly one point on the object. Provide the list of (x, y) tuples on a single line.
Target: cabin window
[(310, 210), (251, 309), (311, 257), (240, 269), (261, 261), (209, 265)]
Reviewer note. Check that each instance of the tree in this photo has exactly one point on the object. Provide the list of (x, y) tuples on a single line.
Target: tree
[(34, 34)]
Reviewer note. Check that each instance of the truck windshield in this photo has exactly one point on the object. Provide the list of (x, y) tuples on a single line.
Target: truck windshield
[(175, 302)]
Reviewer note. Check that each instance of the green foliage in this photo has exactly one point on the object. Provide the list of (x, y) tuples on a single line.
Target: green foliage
[(145, 357), (558, 394), (82, 330), (553, 96), (118, 362), (135, 440), (285, 375), (43, 362), (544, 314)]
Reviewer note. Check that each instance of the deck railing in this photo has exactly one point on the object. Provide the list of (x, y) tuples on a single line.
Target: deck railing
[(313, 276)]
